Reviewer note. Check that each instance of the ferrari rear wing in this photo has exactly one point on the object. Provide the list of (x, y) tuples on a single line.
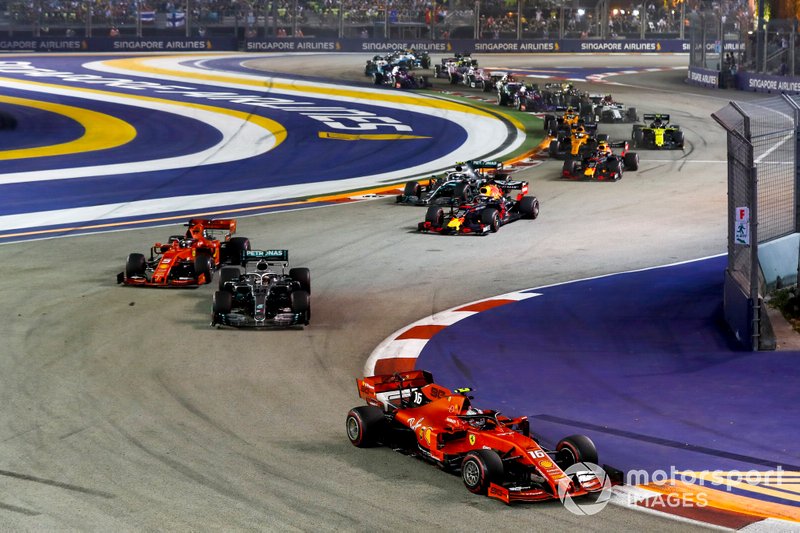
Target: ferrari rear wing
[(369, 386), (228, 224)]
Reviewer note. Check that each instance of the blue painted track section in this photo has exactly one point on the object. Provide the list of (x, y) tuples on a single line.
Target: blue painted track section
[(640, 362), (302, 158)]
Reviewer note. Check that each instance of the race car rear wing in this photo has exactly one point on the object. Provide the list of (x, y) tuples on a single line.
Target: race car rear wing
[(369, 386), (655, 116), (228, 224), (494, 165), (268, 255)]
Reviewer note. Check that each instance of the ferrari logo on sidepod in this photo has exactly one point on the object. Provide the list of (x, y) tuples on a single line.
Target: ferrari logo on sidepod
[(472, 439)]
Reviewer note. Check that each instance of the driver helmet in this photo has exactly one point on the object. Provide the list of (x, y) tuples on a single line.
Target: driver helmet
[(602, 146), (475, 422), (489, 190)]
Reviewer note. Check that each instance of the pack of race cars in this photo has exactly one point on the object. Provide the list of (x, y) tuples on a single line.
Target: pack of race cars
[(255, 287), (494, 455)]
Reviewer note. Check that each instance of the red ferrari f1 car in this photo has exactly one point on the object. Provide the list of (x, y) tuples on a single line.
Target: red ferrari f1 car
[(495, 455), (189, 259)]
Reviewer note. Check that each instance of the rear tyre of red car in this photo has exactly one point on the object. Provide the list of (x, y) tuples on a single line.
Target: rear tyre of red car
[(135, 266), (479, 469), (576, 449), (236, 248), (302, 276), (490, 217), (204, 264), (365, 426), (529, 207)]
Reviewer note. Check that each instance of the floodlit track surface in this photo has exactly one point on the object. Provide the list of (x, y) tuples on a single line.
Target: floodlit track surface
[(123, 410)]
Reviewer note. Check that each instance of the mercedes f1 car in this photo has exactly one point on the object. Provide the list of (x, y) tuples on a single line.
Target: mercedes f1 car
[(658, 134), (497, 203), (261, 292), (456, 187), (601, 164), (496, 455), (189, 259)]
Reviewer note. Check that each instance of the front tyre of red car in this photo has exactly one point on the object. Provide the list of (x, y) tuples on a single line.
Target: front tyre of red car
[(575, 449), (135, 266), (479, 469), (204, 265), (365, 426)]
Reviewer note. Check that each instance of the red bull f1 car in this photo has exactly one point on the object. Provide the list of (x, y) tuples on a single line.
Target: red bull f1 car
[(601, 164), (189, 259), (495, 455), (497, 203)]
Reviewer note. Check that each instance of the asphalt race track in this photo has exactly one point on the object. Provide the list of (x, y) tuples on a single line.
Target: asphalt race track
[(123, 410)]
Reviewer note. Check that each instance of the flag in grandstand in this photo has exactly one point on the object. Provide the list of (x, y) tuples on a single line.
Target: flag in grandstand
[(147, 16), (176, 19)]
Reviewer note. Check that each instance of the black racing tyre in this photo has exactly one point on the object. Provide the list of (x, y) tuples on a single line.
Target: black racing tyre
[(575, 449), (490, 217), (412, 188), (452, 78), (481, 468), (586, 109), (601, 137), (677, 138), (301, 304), (301, 275), (228, 273), (365, 425), (204, 264), (135, 266), (552, 150), (463, 192), (631, 161), (638, 137), (222, 303), (529, 206), (548, 124), (486, 86), (435, 216), (377, 78), (615, 168), (606, 116), (236, 248), (631, 114), (437, 70)]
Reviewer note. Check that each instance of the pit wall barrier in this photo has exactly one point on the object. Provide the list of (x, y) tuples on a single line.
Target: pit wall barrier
[(366, 46)]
